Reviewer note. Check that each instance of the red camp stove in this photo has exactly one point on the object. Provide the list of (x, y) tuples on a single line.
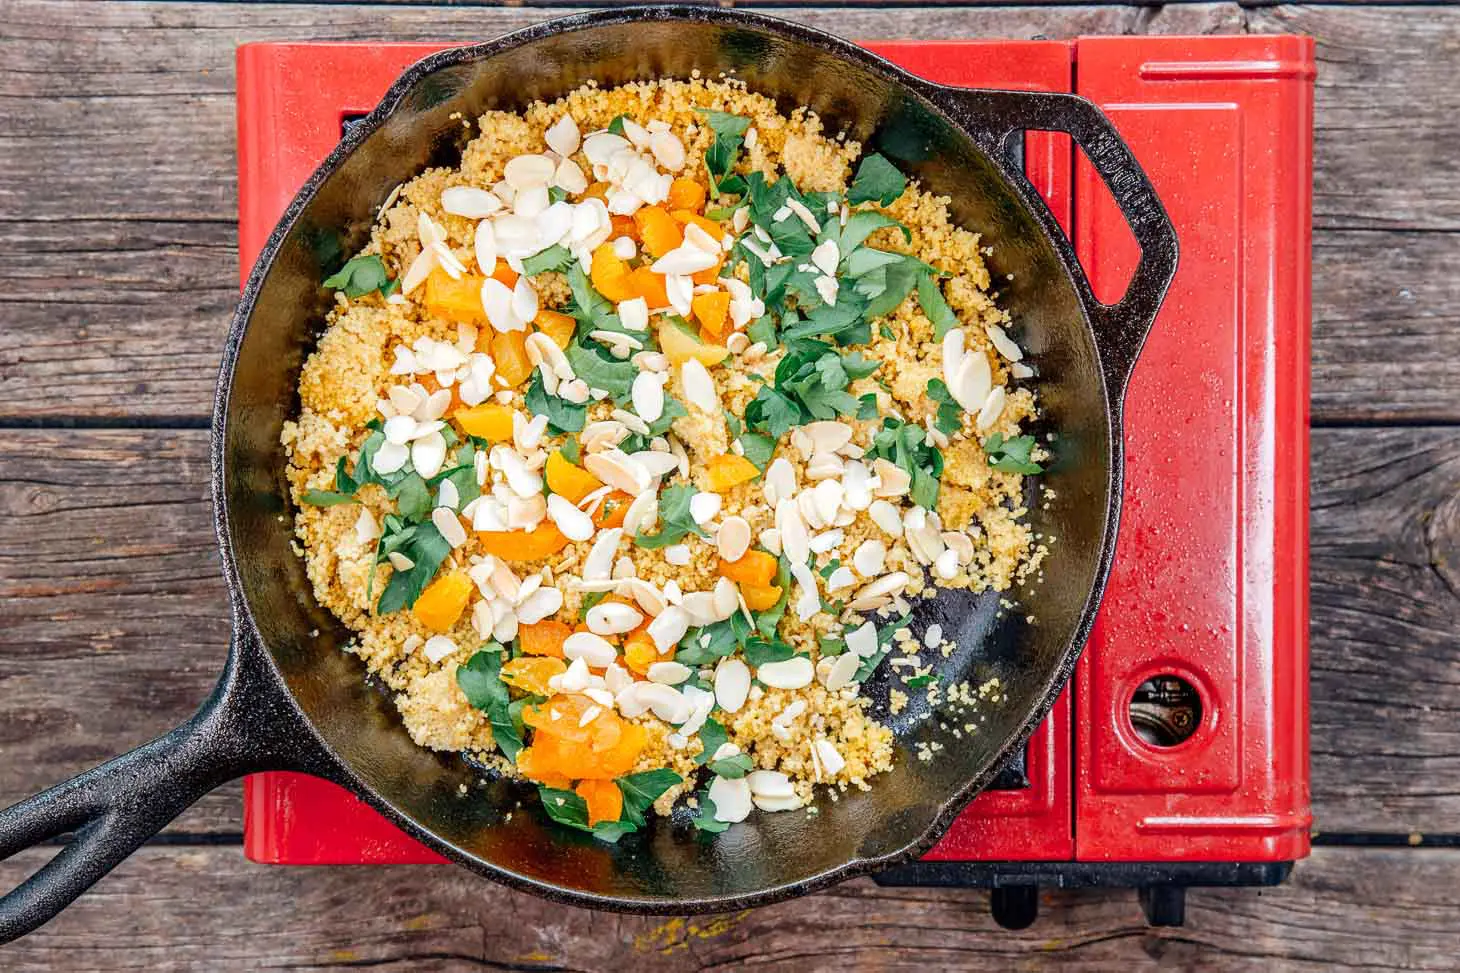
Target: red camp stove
[(1179, 754)]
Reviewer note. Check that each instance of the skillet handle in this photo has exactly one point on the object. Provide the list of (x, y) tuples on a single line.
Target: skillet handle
[(996, 118), (247, 725)]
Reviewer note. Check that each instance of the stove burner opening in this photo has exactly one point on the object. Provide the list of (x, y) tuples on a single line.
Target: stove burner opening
[(1165, 711)]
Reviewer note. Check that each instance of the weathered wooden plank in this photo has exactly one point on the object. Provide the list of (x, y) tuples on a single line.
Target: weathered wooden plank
[(208, 909), (112, 616), (1388, 112)]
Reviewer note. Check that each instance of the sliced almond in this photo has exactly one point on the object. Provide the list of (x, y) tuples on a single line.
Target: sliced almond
[(733, 538)]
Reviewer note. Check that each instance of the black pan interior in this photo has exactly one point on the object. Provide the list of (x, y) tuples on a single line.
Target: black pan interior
[(772, 854)]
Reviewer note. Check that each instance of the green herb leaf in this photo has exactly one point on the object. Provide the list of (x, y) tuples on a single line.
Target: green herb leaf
[(704, 820), (571, 449), (859, 227), (732, 768), (609, 374), (917, 682), (567, 808), (427, 549), (729, 136), (563, 416), (480, 679), (642, 790), (712, 737), (950, 414), (714, 641), (556, 257), (412, 496), (1012, 455), (675, 521), (759, 651), (867, 406), (930, 296), (617, 125), (361, 275), (326, 498), (556, 194), (876, 179), (758, 448)]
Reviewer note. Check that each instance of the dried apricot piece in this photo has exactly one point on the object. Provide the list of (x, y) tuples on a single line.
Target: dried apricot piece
[(684, 216), (640, 653), (509, 352), (605, 801), (650, 286), (489, 421), (710, 274), (544, 638), (726, 471), (658, 230), (455, 299), (680, 346), (530, 673), (686, 194), (443, 601), (612, 510), (542, 541), (503, 272), (567, 479), (556, 325), (712, 311), (759, 599), (610, 275), (753, 568)]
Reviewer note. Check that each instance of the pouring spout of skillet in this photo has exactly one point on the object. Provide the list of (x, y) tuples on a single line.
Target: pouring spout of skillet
[(291, 697)]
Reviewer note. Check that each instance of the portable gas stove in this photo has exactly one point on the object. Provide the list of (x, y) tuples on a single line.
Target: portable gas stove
[(1178, 756)]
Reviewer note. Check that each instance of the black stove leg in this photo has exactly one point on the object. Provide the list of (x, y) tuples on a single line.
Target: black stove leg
[(1164, 905), (1014, 906)]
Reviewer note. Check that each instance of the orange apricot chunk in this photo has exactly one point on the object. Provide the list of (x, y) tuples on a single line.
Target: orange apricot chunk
[(556, 325), (686, 194), (712, 311), (605, 801), (640, 652), (610, 274), (509, 352), (680, 346), (650, 286), (454, 299), (489, 421), (684, 216), (754, 568), (542, 541), (759, 599), (727, 471), (623, 226), (530, 673), (544, 638), (567, 479), (443, 601), (710, 274), (612, 510), (658, 230), (503, 272)]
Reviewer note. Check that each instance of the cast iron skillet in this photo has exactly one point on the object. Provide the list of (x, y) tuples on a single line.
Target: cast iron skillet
[(290, 699)]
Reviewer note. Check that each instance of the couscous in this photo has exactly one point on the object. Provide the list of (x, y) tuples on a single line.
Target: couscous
[(631, 440)]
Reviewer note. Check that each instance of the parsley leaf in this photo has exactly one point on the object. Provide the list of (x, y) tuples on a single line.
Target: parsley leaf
[(571, 449), (643, 789), (600, 372), (593, 311), (705, 820), (1012, 455), (876, 179), (617, 125), (675, 522), (729, 136), (712, 642), (917, 682), (567, 808), (950, 414), (362, 275), (556, 257), (480, 679), (427, 549), (859, 227), (563, 416), (732, 768), (907, 446), (759, 651), (930, 296), (712, 737), (758, 448)]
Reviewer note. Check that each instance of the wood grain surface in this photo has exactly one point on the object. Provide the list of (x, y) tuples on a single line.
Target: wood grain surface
[(118, 270), (206, 908)]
